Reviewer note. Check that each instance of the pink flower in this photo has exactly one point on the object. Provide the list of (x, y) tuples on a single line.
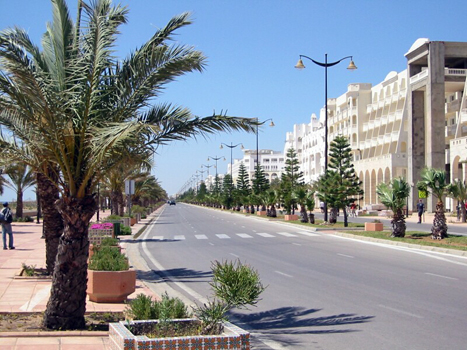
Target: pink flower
[(104, 226)]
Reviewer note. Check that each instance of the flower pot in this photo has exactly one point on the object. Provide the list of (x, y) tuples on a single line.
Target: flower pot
[(91, 249), (132, 221), (261, 213), (373, 226), (122, 338), (291, 217), (110, 286)]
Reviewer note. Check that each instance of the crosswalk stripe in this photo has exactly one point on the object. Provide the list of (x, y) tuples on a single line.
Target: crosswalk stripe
[(201, 237), (264, 234), (179, 238), (158, 238), (306, 233), (244, 235), (223, 236), (286, 234)]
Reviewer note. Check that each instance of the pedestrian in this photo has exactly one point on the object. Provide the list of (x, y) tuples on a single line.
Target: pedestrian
[(6, 218), (321, 206), (420, 208)]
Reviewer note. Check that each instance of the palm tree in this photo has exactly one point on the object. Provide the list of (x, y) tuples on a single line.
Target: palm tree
[(394, 196), (310, 205), (458, 191), (300, 195), (434, 181), (21, 177), (76, 107)]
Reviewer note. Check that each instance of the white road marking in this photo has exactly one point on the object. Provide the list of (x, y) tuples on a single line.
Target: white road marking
[(346, 256), (400, 311), (244, 235), (264, 234), (179, 238), (283, 274), (211, 243), (201, 237), (297, 244), (449, 278), (223, 236), (306, 233), (286, 234), (235, 255), (158, 238)]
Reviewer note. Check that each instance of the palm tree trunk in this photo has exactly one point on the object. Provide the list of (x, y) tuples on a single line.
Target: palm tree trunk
[(114, 202), (52, 227), (439, 230), (67, 302), (303, 214), (273, 211), (333, 216), (398, 224), (19, 202)]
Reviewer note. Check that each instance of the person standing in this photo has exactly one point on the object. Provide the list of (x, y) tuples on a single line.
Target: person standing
[(7, 218), (420, 209)]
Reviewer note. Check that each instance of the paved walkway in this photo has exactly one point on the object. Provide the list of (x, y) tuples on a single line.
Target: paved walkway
[(31, 295)]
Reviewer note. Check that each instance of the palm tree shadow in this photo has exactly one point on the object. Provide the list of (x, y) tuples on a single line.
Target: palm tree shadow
[(181, 275), (297, 320)]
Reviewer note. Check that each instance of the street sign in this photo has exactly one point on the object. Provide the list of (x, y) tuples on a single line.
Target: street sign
[(129, 187)]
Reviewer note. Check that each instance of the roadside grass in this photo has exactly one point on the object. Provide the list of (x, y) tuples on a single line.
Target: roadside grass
[(417, 237)]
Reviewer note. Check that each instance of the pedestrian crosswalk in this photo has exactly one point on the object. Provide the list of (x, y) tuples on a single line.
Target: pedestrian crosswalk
[(234, 235)]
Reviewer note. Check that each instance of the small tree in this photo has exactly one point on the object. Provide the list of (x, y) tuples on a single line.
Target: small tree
[(310, 205), (291, 179), (243, 184), (340, 185), (458, 191), (227, 191), (21, 177), (434, 181), (300, 196), (394, 196), (260, 183)]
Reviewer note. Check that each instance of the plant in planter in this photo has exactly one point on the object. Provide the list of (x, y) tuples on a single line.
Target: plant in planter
[(110, 279), (234, 285)]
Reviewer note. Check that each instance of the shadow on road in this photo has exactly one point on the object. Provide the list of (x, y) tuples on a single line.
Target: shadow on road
[(182, 275)]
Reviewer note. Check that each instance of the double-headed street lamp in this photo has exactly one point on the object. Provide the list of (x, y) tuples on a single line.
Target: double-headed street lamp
[(326, 64), (231, 146), (207, 177), (216, 158)]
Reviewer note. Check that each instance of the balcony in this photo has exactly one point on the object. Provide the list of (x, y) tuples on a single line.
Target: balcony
[(418, 77)]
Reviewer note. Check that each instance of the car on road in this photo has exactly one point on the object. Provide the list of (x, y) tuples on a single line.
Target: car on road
[(171, 202)]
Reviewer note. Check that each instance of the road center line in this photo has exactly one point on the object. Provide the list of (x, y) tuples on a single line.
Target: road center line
[(235, 255), (346, 256), (297, 244), (283, 274), (399, 311), (434, 274)]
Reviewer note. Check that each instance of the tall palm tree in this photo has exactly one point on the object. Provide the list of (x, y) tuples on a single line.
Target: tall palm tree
[(434, 181), (458, 191), (75, 106), (21, 177), (394, 196)]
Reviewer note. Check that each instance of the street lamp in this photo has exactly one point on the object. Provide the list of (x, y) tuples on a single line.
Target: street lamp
[(326, 64), (216, 159), (231, 146), (207, 177)]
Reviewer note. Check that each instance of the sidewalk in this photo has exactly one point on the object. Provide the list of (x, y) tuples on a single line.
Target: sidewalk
[(31, 295)]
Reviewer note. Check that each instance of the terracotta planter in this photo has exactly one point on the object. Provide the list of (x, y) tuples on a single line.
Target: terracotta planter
[(373, 226), (262, 213), (291, 217), (110, 286), (132, 221), (233, 337)]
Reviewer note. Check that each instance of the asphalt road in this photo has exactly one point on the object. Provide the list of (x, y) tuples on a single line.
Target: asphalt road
[(324, 291)]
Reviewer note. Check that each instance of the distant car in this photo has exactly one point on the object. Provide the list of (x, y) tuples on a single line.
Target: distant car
[(172, 202)]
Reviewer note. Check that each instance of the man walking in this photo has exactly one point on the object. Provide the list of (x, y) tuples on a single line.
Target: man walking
[(420, 208), (6, 217)]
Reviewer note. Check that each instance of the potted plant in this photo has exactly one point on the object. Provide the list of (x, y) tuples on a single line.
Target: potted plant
[(110, 279), (106, 242), (234, 285), (376, 225)]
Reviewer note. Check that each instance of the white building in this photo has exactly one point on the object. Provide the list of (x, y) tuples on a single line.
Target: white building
[(410, 120)]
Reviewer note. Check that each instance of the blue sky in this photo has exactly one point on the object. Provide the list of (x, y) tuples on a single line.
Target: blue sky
[(252, 47)]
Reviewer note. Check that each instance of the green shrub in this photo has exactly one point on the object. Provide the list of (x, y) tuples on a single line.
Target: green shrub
[(111, 218), (28, 269), (24, 219), (109, 242), (137, 209), (143, 307), (108, 259), (125, 230)]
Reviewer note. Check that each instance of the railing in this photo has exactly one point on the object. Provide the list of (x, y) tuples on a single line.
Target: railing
[(455, 72), (417, 77)]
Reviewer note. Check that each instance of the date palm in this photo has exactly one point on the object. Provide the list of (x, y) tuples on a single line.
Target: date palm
[(21, 177), (434, 181), (458, 191), (394, 196), (75, 107)]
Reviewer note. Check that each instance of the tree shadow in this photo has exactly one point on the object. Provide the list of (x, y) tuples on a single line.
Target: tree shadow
[(297, 320), (182, 275)]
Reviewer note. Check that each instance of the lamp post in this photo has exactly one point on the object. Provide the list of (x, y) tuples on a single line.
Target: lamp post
[(231, 146), (216, 159), (207, 166), (326, 64)]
